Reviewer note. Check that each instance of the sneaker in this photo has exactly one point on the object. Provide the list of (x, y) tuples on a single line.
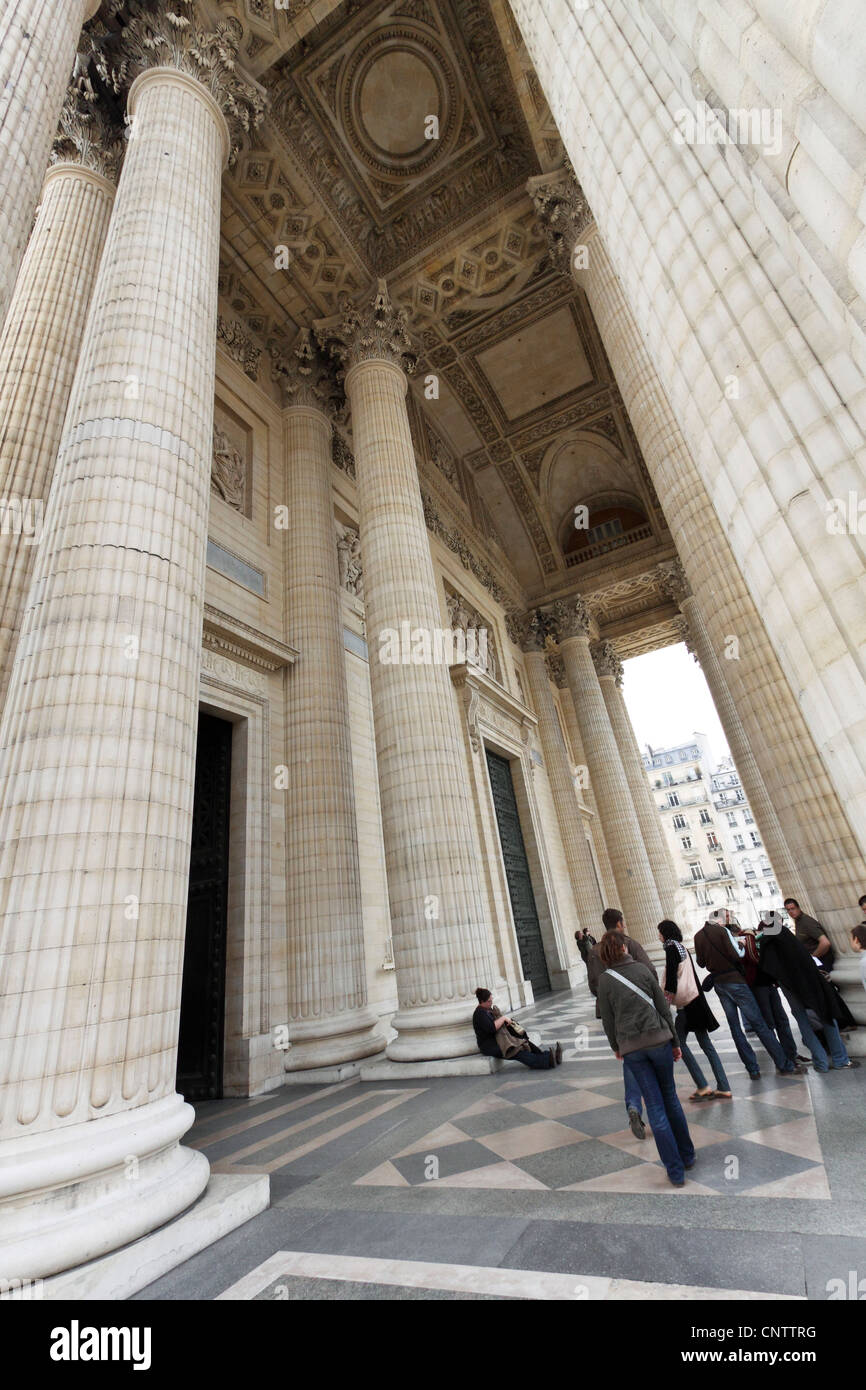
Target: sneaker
[(795, 1070), (677, 1182), (636, 1124), (850, 1063), (687, 1166), (557, 1052), (804, 1061), (754, 1076)]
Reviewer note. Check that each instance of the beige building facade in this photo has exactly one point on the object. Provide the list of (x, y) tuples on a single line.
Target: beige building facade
[(375, 379), (711, 833)]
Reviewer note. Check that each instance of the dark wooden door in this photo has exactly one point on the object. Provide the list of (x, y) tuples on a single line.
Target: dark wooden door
[(202, 1006), (517, 873)]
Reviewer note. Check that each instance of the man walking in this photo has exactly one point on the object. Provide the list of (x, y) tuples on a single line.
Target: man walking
[(717, 951), (612, 920)]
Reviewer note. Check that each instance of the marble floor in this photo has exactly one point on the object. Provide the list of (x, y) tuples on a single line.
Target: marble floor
[(531, 1185)]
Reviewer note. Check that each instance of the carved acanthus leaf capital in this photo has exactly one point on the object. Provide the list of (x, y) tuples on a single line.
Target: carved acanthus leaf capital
[(673, 582), (607, 663), (374, 330), (306, 375), (534, 632), (571, 618), (175, 35), (88, 133), (685, 635), (562, 211), (556, 667)]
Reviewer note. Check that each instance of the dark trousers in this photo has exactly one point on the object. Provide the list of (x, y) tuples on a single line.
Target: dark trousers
[(774, 1014), (533, 1058)]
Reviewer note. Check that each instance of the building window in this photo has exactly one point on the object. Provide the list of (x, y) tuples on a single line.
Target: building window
[(758, 890), (748, 818), (713, 841), (706, 818), (722, 867), (697, 872), (756, 839), (687, 842), (748, 868), (673, 799), (732, 818), (680, 822), (729, 890), (739, 843), (772, 887)]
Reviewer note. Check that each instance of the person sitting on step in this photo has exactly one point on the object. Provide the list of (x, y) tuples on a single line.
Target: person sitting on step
[(499, 1036)]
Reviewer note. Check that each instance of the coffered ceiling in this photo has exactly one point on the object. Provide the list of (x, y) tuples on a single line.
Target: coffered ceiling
[(351, 178)]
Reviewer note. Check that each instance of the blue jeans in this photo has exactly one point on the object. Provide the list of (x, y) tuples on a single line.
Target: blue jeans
[(831, 1033), (538, 1060), (633, 1097), (706, 1046), (735, 997), (775, 1017), (653, 1069)]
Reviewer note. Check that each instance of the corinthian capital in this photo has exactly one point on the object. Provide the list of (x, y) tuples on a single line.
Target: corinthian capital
[(305, 374), (375, 330), (173, 34), (563, 212), (89, 134), (672, 581), (607, 663), (556, 667), (571, 618)]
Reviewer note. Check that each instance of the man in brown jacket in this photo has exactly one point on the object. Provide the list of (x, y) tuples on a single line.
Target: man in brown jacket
[(717, 951), (613, 920)]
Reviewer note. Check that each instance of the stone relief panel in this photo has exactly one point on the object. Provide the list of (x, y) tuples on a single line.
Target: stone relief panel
[(349, 560), (480, 643), (231, 463)]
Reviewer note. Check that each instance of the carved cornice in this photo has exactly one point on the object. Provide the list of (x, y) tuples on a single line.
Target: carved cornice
[(487, 702), (174, 35), (372, 331), (223, 633), (672, 581), (607, 663), (571, 618), (563, 213), (306, 375)]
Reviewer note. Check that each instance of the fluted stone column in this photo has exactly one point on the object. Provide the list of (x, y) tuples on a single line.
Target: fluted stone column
[(329, 1019), (639, 898), (577, 853), (810, 812), (97, 742), (556, 666), (442, 949), (41, 338), (775, 416), (610, 675), (38, 39), (785, 868)]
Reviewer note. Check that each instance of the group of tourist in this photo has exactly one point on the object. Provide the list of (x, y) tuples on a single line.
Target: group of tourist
[(749, 970)]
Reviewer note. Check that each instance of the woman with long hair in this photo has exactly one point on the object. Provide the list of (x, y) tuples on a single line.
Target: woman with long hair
[(682, 988), (639, 1026)]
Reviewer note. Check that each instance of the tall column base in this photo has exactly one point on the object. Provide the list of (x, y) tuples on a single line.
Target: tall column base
[(72, 1194), (846, 974), (326, 1042), (433, 1032)]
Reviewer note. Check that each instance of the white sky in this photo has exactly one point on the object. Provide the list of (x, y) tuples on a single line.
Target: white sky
[(669, 700)]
